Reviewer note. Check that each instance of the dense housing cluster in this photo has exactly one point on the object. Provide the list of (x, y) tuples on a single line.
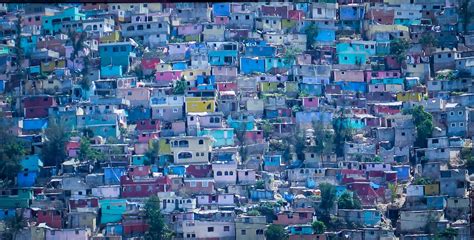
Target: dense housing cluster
[(326, 119)]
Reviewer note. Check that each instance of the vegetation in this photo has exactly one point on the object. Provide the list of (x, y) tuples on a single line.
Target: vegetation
[(349, 200), (158, 229), (342, 133), (399, 48), (11, 152), (13, 226), (424, 125), (267, 209), (153, 152), (323, 139), (87, 153), (311, 33), (180, 87), (290, 55), (466, 13), (449, 233), (276, 232), (319, 227), (428, 41), (328, 198), (54, 151)]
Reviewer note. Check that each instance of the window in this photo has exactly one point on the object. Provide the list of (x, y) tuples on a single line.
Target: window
[(205, 184), (210, 229), (461, 124), (460, 113), (226, 228), (219, 173), (192, 184), (243, 232), (201, 142), (259, 231)]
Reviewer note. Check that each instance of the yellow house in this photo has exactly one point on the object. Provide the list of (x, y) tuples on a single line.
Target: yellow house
[(200, 104), (409, 96), (432, 189), (399, 30), (163, 67), (111, 37), (165, 147), (268, 87), (47, 67)]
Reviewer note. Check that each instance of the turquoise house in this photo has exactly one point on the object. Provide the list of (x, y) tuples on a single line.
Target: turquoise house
[(111, 71), (222, 136), (392, 81), (244, 123), (139, 160), (16, 198), (175, 170), (116, 54), (222, 57), (53, 24), (277, 62), (306, 229), (371, 217), (355, 52), (31, 163), (112, 210), (351, 123), (28, 44)]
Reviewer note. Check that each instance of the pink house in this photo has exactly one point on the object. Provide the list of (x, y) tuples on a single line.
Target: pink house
[(138, 171), (148, 125), (72, 148), (310, 102), (226, 86), (221, 20), (297, 15), (147, 136), (298, 216), (349, 76), (150, 63), (199, 185), (254, 136), (165, 78), (189, 29), (381, 74)]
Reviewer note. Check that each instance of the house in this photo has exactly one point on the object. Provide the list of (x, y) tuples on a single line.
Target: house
[(112, 210), (250, 227), (52, 24), (199, 185), (58, 234), (413, 221), (297, 216), (453, 182), (191, 149), (116, 54), (135, 187), (225, 172), (365, 217), (208, 229)]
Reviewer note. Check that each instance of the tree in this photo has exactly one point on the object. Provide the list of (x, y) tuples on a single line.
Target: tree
[(153, 151), (427, 42), (290, 55), (180, 87), (267, 209), (449, 233), (399, 47), (393, 191), (318, 227), (157, 226), (311, 33), (54, 151), (466, 13), (14, 225), (328, 197), (342, 133), (276, 232), (11, 152), (423, 123), (323, 139), (349, 200), (87, 153)]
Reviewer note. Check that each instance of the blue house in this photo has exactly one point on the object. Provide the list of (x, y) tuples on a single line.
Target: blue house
[(175, 170), (205, 82), (112, 175), (35, 124), (371, 217), (277, 63), (179, 66), (136, 114), (2, 86), (355, 52), (260, 51), (7, 213), (250, 65), (221, 9), (353, 86), (261, 194), (272, 161), (403, 172), (351, 16), (435, 202), (31, 166)]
